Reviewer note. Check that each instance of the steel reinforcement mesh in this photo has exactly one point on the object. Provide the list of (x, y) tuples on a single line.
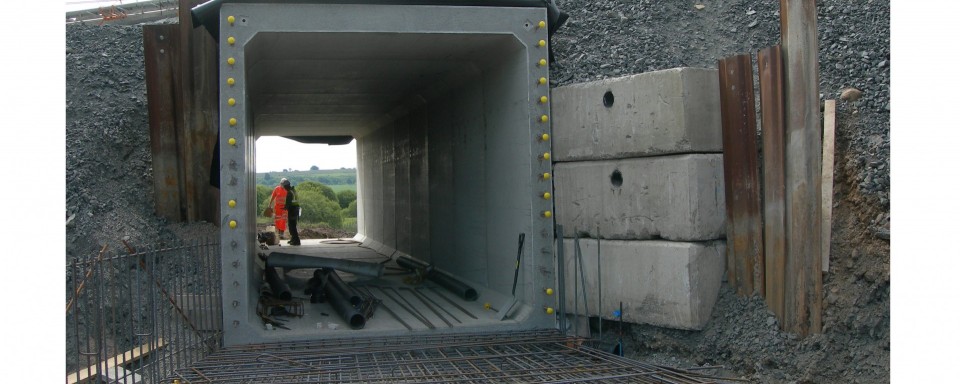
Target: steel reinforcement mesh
[(508, 357)]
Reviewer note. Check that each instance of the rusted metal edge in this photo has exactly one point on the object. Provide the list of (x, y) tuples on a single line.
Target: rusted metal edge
[(741, 174), (160, 49), (770, 66)]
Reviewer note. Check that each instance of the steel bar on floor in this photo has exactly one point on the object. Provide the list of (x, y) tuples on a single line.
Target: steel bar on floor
[(520, 356)]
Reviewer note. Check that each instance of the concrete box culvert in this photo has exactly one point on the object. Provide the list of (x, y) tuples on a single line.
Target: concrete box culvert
[(448, 105)]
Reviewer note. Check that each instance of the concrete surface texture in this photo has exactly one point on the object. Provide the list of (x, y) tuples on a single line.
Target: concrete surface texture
[(463, 79), (663, 283), (656, 113), (677, 197)]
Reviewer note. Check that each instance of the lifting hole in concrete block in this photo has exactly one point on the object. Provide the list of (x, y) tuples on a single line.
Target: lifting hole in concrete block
[(608, 99), (616, 178)]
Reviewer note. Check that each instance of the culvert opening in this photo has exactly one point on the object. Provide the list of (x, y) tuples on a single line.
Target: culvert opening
[(447, 204), (616, 178), (608, 99)]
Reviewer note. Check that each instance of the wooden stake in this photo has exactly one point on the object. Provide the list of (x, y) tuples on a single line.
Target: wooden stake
[(826, 186)]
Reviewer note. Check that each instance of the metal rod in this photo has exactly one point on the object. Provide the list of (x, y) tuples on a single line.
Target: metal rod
[(599, 288), (561, 276), (433, 303), (442, 278), (458, 306), (576, 284)]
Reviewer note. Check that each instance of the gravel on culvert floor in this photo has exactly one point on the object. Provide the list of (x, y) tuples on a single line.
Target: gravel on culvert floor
[(109, 176)]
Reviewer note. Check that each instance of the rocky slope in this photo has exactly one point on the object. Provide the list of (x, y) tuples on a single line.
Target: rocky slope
[(612, 38)]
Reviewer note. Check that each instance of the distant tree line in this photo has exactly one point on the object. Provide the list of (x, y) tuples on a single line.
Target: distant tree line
[(325, 177)]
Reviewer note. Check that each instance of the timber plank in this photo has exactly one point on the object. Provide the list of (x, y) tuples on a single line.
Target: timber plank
[(826, 186), (90, 373)]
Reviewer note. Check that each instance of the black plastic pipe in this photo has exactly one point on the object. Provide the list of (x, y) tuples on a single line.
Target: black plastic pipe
[(294, 261), (279, 287), (341, 304), (442, 278), (332, 278)]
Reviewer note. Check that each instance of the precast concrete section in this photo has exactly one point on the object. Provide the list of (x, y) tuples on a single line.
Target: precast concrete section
[(450, 109), (640, 162), (674, 197), (664, 283), (648, 114)]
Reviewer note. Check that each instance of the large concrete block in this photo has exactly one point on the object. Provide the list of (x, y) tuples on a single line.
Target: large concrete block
[(655, 113), (678, 197), (663, 283)]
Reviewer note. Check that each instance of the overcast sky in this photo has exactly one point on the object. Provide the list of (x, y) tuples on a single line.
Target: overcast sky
[(76, 5), (276, 153)]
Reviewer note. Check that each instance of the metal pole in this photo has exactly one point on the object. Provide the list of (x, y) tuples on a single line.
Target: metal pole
[(599, 287), (576, 284), (561, 276)]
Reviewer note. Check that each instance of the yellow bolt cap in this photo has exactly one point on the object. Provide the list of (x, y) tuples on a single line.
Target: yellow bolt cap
[(231, 19), (545, 137), (232, 203), (231, 101), (546, 156), (543, 99), (546, 195), (549, 291), (543, 80), (486, 305), (544, 118), (546, 176), (231, 61), (233, 224), (231, 81), (542, 62), (233, 121), (549, 310), (541, 43), (232, 141), (541, 24), (231, 40), (547, 214)]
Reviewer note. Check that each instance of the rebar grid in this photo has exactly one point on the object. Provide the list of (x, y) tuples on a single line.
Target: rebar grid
[(142, 312), (543, 356)]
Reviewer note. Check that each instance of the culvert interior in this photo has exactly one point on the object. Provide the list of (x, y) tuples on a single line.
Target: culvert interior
[(450, 109)]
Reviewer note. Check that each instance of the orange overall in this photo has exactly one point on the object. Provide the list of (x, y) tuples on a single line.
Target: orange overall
[(279, 197)]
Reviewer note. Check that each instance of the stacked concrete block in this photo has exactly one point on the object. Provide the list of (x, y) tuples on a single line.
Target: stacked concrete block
[(656, 113), (675, 197), (639, 164), (664, 283)]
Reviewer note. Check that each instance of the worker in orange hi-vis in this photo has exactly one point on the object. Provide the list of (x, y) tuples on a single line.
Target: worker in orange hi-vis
[(277, 199)]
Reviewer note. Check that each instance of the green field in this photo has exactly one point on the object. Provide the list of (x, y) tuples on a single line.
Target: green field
[(336, 179), (343, 187)]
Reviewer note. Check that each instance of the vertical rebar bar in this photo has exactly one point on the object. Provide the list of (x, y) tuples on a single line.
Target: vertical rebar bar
[(562, 277), (599, 288), (576, 284)]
